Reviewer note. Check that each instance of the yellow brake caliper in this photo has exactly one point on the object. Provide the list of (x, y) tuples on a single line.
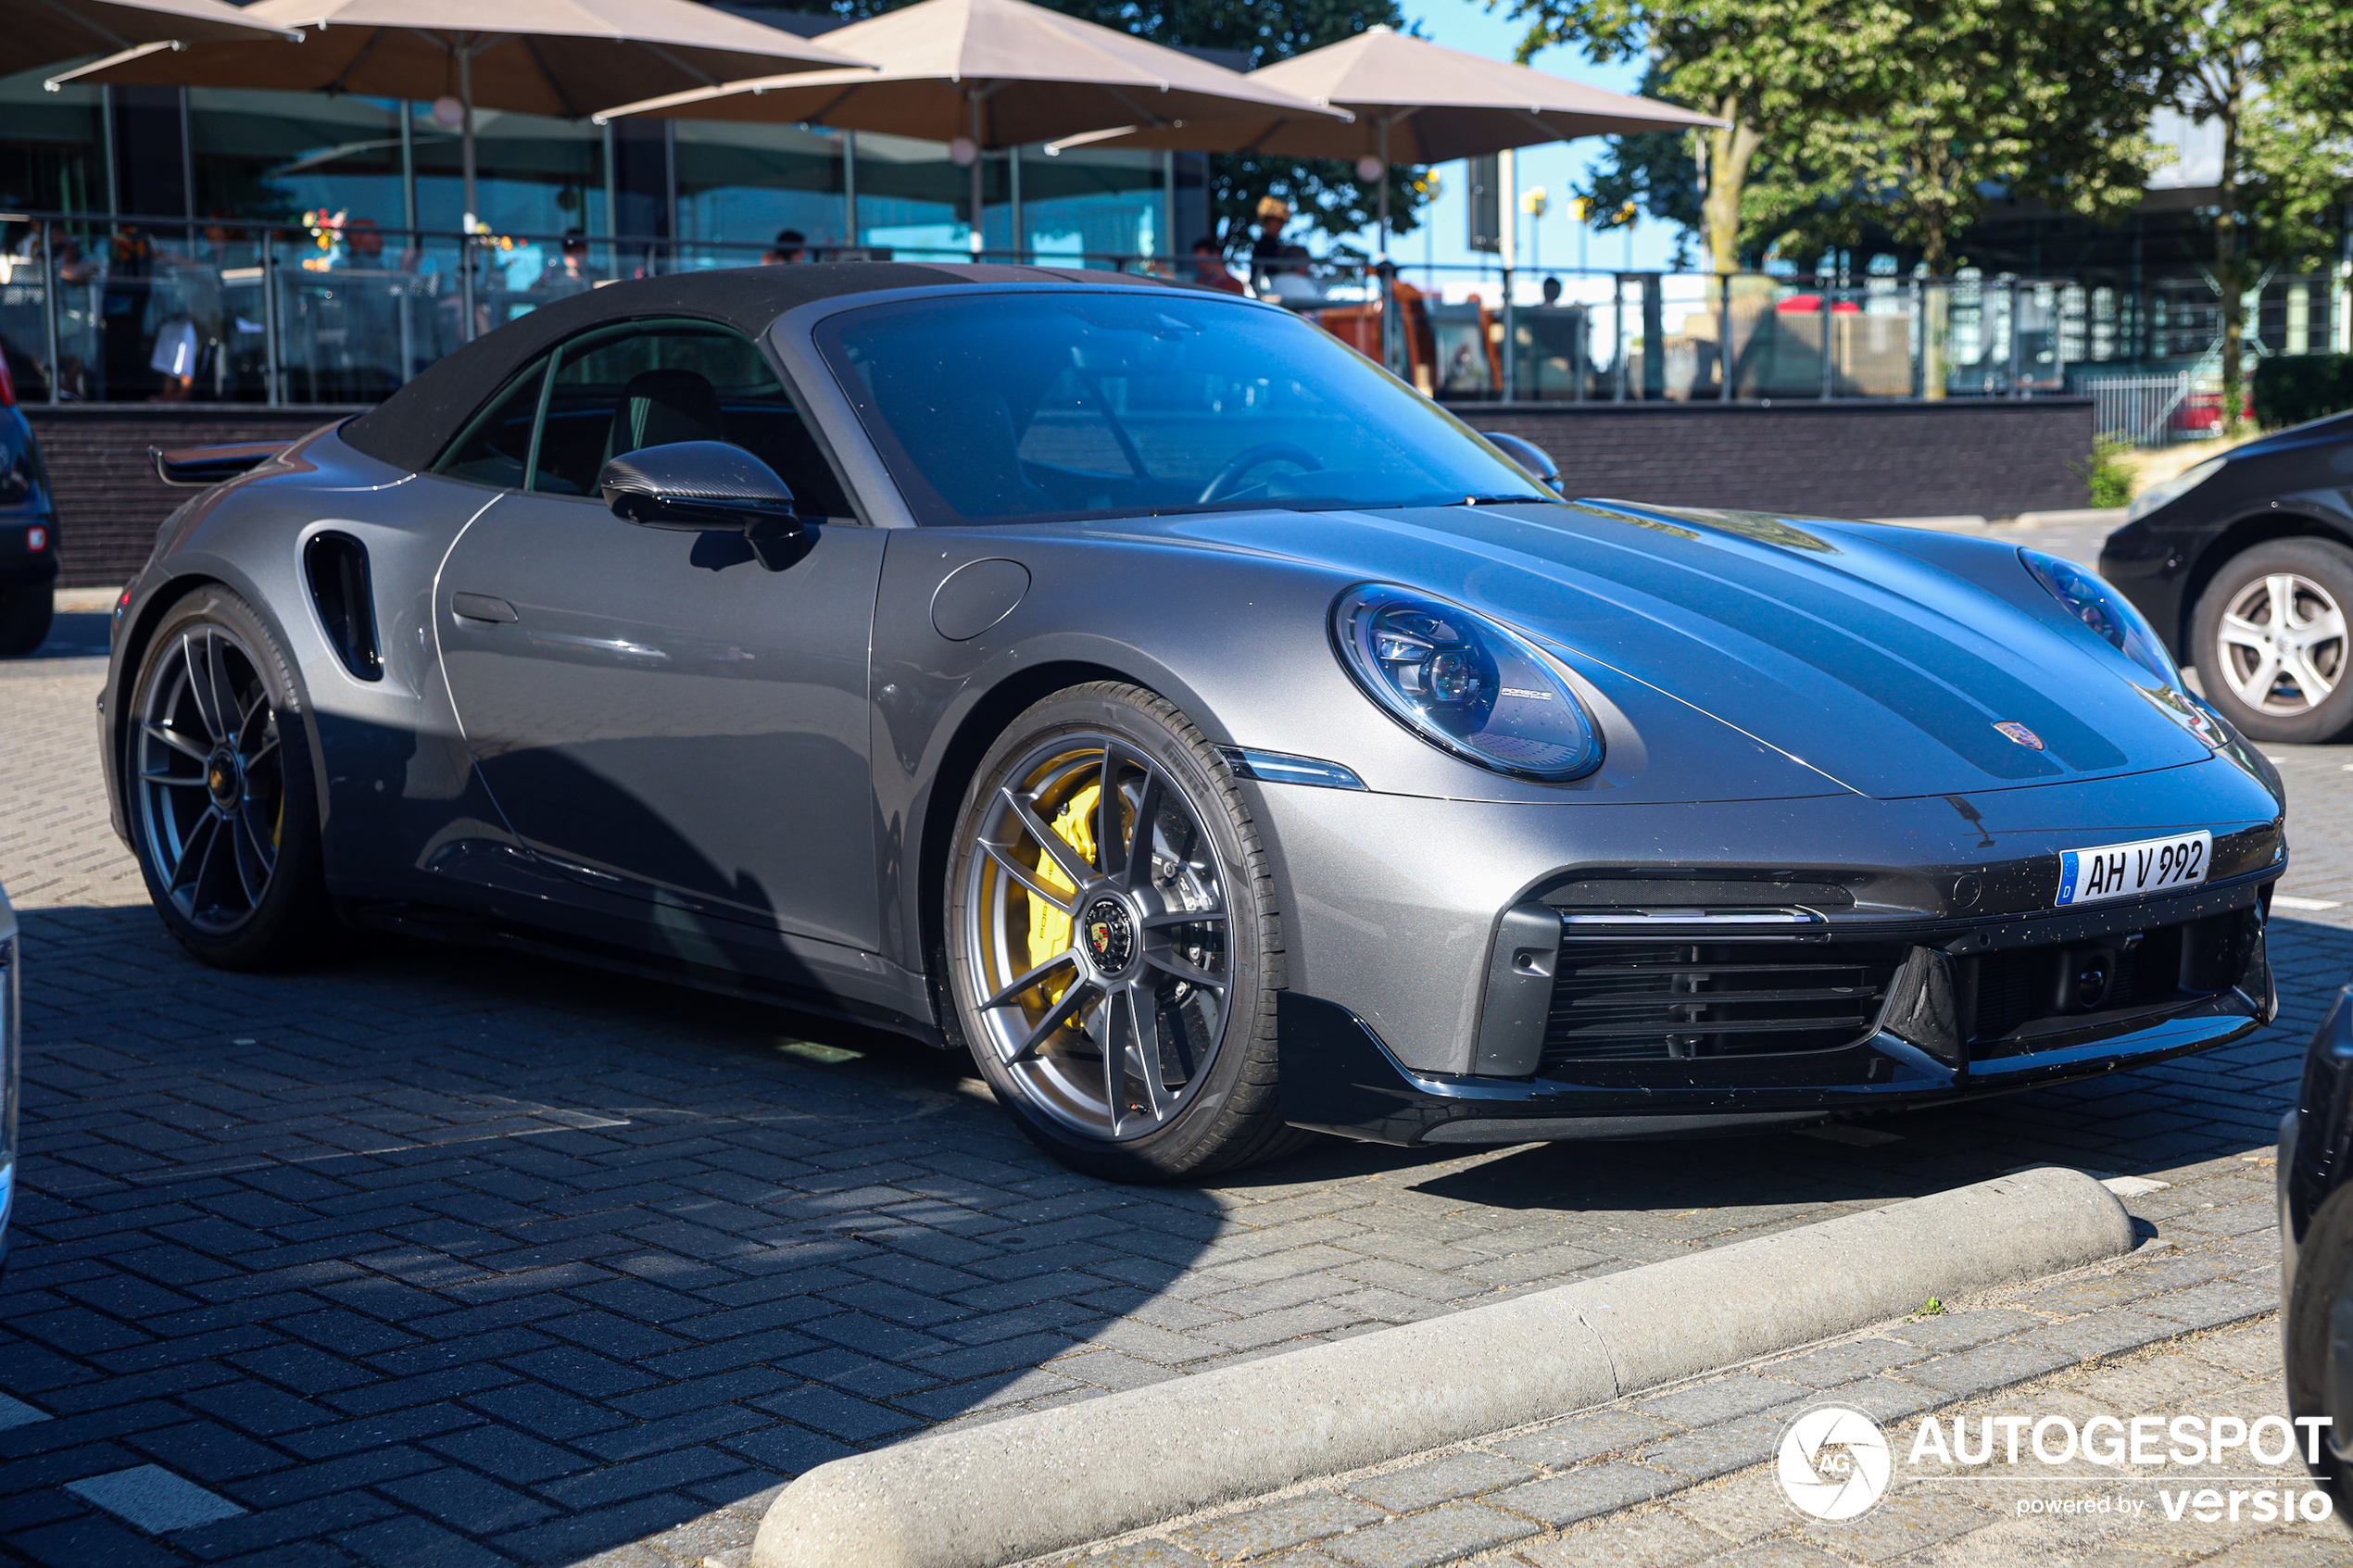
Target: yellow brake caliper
[(1049, 927)]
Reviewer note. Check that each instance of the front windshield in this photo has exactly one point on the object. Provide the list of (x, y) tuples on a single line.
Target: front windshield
[(1005, 408)]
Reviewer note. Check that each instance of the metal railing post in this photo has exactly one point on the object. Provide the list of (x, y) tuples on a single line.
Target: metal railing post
[(2018, 345), (273, 392), (466, 286), (49, 311), (1617, 325), (1829, 374)]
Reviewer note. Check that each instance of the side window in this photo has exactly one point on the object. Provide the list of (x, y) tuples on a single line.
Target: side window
[(651, 385), (496, 447)]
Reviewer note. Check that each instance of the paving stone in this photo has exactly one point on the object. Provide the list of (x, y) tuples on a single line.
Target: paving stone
[(1584, 1436), (1581, 1494), (1722, 1400), (1275, 1525), (1989, 1366), (1719, 1447), (1833, 1364), (1959, 1331), (1658, 1539), (1462, 1476), (1440, 1536)]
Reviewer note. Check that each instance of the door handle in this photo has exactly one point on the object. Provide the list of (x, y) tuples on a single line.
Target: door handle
[(482, 606)]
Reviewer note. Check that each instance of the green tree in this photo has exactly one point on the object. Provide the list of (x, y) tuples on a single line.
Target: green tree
[(1766, 68), (1980, 99), (2274, 79)]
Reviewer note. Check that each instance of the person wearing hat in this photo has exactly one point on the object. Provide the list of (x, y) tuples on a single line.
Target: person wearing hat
[(1269, 256)]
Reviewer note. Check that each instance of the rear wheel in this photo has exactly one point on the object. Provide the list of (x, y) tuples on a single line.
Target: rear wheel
[(2271, 643), (1113, 954), (222, 803), (24, 618)]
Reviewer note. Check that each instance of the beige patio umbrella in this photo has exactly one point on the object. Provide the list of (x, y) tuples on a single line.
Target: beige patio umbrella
[(1414, 101), (985, 74), (560, 57), (41, 33)]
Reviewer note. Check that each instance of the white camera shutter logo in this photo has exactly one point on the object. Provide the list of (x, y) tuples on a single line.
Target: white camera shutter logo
[(1834, 1463)]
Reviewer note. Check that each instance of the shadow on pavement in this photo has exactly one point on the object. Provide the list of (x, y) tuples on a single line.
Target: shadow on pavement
[(441, 1256)]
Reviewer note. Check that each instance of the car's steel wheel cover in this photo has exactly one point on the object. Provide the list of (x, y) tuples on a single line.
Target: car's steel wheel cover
[(2282, 645), (1101, 980), (207, 791)]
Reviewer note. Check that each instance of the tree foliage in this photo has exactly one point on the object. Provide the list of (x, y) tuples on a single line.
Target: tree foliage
[(1324, 193), (1906, 117)]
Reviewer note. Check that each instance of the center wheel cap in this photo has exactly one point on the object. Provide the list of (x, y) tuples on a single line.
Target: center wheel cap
[(221, 778), (1109, 932)]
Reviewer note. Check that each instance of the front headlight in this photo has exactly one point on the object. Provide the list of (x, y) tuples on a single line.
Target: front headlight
[(2090, 599), (1464, 684), (2109, 614), (2169, 491)]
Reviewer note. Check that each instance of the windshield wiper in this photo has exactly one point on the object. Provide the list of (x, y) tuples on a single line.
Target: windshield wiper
[(1490, 500)]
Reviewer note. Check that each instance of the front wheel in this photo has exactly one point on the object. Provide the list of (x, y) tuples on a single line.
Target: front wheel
[(1113, 951), (2270, 641), (223, 807)]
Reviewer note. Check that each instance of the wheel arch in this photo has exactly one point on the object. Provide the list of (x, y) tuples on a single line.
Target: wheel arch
[(131, 653), (943, 795), (2256, 528)]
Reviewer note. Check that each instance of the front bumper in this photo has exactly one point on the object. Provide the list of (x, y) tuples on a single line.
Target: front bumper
[(1650, 1023)]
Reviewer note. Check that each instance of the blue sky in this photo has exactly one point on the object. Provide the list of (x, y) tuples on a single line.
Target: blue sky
[(1558, 167)]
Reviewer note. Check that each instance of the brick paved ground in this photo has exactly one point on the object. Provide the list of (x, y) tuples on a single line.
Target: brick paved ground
[(429, 1256), (1683, 1477)]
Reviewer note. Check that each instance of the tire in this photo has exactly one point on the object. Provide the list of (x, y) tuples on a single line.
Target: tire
[(2266, 685), (24, 618), (221, 797), (1144, 1049), (2324, 1292)]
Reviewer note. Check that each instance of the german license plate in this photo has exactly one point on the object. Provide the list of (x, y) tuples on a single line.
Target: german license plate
[(2126, 871)]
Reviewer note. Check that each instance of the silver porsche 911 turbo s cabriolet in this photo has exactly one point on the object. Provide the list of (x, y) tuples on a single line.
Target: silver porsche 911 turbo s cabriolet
[(1135, 687)]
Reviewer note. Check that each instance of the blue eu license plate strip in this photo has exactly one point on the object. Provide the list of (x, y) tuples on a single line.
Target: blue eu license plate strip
[(2128, 871)]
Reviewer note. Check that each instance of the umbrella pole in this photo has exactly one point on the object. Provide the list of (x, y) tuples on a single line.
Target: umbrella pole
[(1389, 338), (466, 133), (973, 95), (466, 143)]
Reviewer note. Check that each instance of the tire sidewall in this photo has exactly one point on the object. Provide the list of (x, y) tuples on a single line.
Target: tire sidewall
[(2321, 1266), (1151, 726), (291, 921), (2325, 563)]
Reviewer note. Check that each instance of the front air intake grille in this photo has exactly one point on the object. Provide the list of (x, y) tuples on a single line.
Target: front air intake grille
[(1655, 1001)]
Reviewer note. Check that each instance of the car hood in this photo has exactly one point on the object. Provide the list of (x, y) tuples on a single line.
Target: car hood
[(1885, 672)]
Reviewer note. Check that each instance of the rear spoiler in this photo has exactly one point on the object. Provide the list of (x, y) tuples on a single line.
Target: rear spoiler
[(211, 465)]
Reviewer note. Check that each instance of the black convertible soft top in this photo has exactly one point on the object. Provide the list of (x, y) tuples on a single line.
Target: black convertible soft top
[(411, 427)]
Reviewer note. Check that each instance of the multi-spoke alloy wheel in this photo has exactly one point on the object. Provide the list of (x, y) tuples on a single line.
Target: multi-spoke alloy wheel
[(2273, 642), (211, 781), (219, 802), (1107, 949), (2282, 644)]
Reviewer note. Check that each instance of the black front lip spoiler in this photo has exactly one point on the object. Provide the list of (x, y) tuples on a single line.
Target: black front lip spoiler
[(1338, 1078)]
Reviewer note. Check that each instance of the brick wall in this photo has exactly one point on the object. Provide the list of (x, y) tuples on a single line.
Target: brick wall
[(1837, 459), (1995, 459), (108, 498)]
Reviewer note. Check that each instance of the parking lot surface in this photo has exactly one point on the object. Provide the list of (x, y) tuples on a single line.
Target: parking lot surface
[(434, 1256)]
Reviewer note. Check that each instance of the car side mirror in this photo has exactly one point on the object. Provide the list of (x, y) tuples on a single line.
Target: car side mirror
[(705, 487), (1528, 455)]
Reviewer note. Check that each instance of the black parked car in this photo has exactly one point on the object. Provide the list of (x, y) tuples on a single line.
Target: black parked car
[(2316, 1238), (2246, 564), (27, 530)]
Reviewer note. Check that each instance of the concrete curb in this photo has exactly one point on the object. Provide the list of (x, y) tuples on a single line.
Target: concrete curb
[(1033, 1484)]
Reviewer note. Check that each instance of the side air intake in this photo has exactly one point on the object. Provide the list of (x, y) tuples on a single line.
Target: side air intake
[(336, 565)]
